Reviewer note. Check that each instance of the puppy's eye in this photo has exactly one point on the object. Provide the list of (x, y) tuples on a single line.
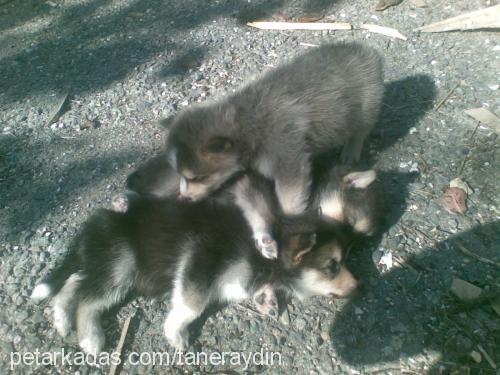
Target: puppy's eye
[(198, 179), (333, 267)]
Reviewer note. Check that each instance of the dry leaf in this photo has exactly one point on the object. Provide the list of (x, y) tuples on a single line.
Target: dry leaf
[(486, 117), (454, 200), (300, 25), (384, 4), (312, 17), (461, 184), (465, 290), (387, 31), (58, 110), (419, 3), (480, 19)]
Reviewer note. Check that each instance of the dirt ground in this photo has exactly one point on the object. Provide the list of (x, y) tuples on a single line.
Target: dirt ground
[(124, 64)]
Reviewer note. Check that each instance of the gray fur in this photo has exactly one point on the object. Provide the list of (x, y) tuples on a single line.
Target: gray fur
[(326, 98)]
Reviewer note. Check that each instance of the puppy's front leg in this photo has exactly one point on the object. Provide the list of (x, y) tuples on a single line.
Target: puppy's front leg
[(292, 184), (254, 197)]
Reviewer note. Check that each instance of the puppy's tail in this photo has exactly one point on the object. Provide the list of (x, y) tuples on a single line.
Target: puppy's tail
[(53, 283)]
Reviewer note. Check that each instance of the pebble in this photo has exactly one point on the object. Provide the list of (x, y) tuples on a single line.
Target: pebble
[(299, 324)]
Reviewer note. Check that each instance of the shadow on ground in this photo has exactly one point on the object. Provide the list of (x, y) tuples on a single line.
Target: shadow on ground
[(32, 190), (409, 311), (84, 50)]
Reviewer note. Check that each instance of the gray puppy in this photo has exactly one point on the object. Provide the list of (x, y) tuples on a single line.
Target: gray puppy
[(327, 97)]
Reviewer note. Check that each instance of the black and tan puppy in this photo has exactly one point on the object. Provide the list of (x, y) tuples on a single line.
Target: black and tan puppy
[(251, 192), (198, 253), (327, 97), (341, 194)]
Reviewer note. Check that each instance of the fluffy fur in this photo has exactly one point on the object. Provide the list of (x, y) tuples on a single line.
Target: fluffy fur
[(197, 253), (341, 194), (325, 98)]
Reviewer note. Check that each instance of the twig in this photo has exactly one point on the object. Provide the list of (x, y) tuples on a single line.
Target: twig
[(301, 25), (479, 19), (487, 357), (466, 158), (308, 44), (387, 31), (442, 101), (486, 117), (119, 347), (249, 309), (464, 250), (403, 263)]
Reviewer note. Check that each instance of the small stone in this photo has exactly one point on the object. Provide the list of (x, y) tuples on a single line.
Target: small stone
[(21, 316), (325, 336), (299, 323), (476, 356), (285, 317)]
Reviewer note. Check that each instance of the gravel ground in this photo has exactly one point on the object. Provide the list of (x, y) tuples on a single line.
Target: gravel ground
[(125, 64)]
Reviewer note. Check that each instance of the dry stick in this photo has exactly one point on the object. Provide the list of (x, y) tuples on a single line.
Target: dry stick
[(446, 97), (255, 312), (464, 250), (466, 158), (387, 31), (301, 25), (119, 347), (487, 357)]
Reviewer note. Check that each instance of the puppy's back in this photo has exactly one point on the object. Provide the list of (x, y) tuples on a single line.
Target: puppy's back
[(329, 93)]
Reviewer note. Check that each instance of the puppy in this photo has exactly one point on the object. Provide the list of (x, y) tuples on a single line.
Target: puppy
[(328, 97), (198, 253), (251, 192), (350, 197), (340, 195)]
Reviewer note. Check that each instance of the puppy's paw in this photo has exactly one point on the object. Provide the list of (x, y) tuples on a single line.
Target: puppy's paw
[(119, 203), (265, 301), (266, 245), (177, 339), (92, 343)]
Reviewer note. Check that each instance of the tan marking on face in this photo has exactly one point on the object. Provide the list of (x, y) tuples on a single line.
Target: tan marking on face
[(332, 206), (187, 174), (363, 225), (315, 282), (194, 190)]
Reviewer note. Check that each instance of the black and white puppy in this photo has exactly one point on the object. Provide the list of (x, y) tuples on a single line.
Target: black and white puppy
[(197, 253), (327, 97)]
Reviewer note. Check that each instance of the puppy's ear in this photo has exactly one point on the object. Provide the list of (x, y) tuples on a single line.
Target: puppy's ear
[(359, 180), (300, 245), (219, 145)]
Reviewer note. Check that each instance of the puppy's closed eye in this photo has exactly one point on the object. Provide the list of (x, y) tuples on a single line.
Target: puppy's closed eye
[(197, 178)]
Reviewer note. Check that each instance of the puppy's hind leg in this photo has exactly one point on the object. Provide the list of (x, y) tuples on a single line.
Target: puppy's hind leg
[(98, 293), (187, 305), (64, 304)]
